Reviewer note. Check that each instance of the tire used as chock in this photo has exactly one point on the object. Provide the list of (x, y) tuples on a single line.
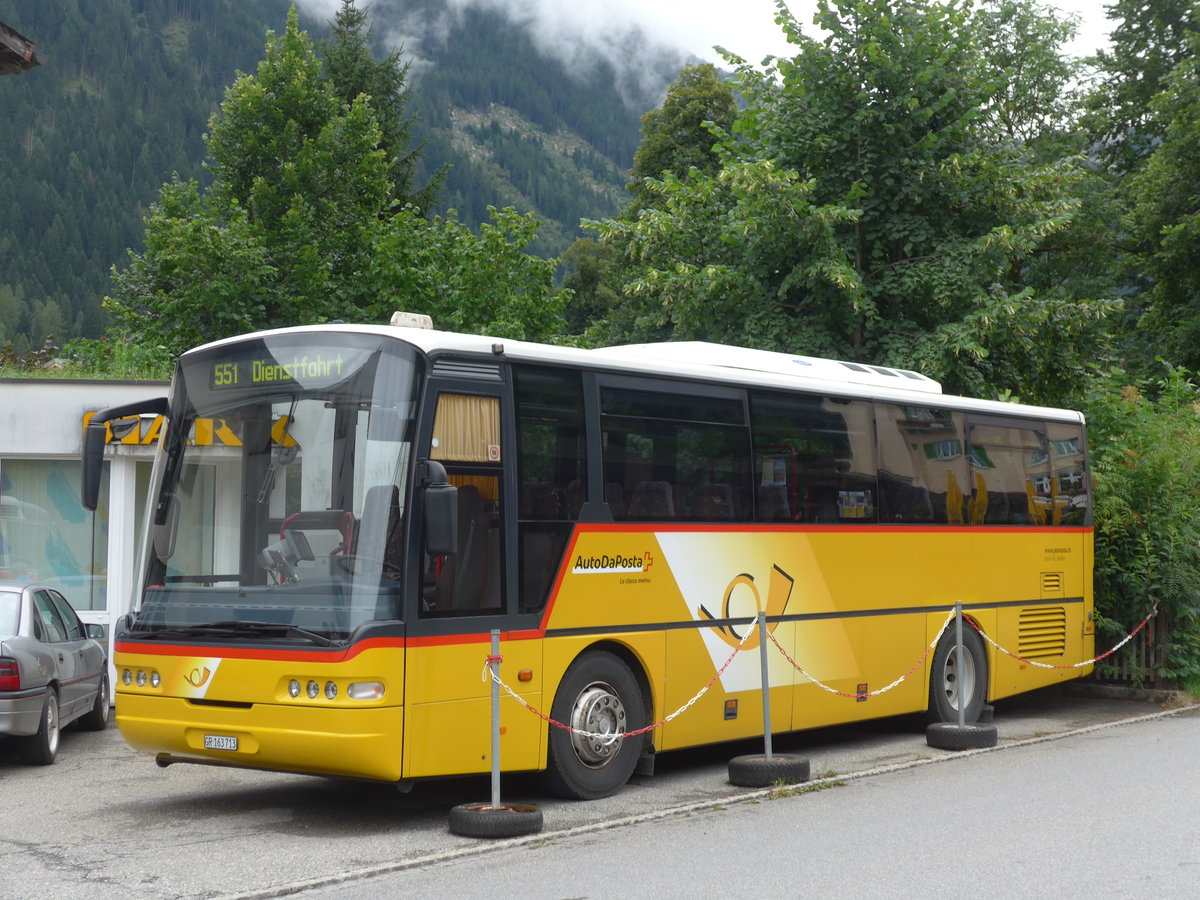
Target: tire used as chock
[(755, 770), (952, 736), (482, 820)]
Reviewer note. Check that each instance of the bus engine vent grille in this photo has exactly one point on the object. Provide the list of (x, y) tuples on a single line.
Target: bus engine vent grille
[(460, 368), (1043, 632), (1052, 584)]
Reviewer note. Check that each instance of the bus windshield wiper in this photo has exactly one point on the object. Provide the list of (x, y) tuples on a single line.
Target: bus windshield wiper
[(234, 627), (273, 628)]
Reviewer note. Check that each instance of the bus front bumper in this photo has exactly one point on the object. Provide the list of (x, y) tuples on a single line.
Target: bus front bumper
[(346, 742)]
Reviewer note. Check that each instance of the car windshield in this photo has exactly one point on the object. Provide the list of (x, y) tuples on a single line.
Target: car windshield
[(278, 491)]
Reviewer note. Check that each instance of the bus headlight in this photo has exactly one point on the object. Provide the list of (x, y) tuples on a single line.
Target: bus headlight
[(155, 679), (330, 690), (313, 690), (293, 688), (365, 690)]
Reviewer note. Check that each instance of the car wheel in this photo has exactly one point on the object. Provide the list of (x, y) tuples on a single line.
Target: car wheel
[(96, 719), (40, 749)]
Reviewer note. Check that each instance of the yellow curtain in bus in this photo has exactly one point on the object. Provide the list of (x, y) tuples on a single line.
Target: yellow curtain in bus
[(466, 429)]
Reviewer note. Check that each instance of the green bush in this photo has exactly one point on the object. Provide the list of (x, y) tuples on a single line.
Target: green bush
[(1145, 450)]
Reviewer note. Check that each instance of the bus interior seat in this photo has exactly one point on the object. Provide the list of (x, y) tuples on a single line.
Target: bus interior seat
[(712, 503), (652, 500), (540, 500), (574, 497), (904, 502), (773, 503)]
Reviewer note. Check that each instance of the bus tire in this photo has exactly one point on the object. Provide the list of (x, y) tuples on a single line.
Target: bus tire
[(40, 749), (96, 719), (598, 694), (482, 820), (756, 771), (952, 736), (952, 679)]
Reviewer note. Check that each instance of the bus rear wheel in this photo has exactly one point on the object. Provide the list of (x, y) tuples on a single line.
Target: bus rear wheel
[(958, 678), (600, 700)]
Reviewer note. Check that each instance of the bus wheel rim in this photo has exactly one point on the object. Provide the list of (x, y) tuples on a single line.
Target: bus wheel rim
[(959, 676), (598, 720)]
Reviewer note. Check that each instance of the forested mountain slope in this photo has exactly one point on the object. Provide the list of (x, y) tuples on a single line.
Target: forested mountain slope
[(123, 100)]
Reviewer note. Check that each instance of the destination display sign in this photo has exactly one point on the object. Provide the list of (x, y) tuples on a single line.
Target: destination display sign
[(308, 370)]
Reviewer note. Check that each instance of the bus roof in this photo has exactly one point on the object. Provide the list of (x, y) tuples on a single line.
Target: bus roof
[(703, 361)]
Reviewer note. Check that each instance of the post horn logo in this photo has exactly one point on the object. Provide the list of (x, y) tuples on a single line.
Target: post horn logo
[(198, 677), (779, 592)]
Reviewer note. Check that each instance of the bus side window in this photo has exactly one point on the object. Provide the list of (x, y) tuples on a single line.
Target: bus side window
[(923, 472), (814, 459), (675, 456), (551, 473)]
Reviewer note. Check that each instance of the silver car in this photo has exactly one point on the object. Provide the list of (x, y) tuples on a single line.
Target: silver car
[(53, 671)]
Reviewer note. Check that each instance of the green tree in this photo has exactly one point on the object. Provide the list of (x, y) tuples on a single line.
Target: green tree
[(681, 135), (1164, 219), (1145, 449), (293, 228), (1149, 39), (481, 283), (352, 69), (279, 236), (678, 136), (888, 134)]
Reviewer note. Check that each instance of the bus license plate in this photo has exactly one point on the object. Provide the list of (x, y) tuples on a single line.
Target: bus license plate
[(220, 742)]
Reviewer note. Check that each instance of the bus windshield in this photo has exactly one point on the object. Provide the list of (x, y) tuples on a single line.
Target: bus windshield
[(278, 492)]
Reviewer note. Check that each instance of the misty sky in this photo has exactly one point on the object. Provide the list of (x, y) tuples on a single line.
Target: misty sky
[(746, 27)]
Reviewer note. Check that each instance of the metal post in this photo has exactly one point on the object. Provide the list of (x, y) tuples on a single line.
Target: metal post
[(495, 664), (766, 687), (958, 664)]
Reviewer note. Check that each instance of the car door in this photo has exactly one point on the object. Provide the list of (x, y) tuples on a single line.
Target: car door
[(87, 653), (63, 652)]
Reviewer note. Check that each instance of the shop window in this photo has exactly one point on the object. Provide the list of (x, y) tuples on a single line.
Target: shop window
[(45, 533)]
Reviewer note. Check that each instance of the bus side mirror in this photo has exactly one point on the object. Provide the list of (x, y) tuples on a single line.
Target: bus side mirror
[(93, 460), (95, 436), (441, 510)]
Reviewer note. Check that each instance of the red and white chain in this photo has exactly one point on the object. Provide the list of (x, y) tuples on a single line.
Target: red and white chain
[(1079, 665), (865, 694), (609, 737)]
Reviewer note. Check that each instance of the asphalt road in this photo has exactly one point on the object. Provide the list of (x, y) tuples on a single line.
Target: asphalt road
[(105, 822), (1110, 813)]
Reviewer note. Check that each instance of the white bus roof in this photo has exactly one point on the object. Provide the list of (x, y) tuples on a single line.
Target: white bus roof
[(809, 367), (707, 361)]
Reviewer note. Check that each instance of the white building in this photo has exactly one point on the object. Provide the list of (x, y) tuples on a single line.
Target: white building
[(45, 533)]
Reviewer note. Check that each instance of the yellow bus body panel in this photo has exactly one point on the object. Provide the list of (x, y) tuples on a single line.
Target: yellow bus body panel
[(449, 709), (247, 698), (855, 610)]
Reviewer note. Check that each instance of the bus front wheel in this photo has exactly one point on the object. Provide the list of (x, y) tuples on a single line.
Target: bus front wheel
[(599, 700), (958, 678)]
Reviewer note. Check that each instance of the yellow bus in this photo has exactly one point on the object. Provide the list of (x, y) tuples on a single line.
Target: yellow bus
[(340, 515)]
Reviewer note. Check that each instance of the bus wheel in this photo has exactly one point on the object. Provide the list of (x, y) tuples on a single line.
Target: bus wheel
[(599, 696), (958, 679)]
